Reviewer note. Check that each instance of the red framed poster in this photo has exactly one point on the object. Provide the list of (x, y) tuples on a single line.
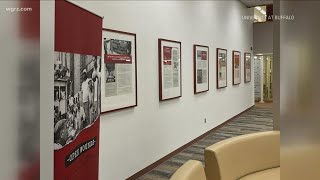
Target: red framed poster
[(222, 62), (236, 67), (201, 68), (119, 69), (247, 67), (170, 85), (77, 68)]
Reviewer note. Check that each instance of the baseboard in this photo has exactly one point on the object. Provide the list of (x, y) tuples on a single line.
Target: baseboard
[(175, 152)]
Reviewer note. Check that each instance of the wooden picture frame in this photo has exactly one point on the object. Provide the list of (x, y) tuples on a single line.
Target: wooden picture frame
[(120, 101), (247, 67), (172, 51), (201, 81), (219, 86), (236, 67)]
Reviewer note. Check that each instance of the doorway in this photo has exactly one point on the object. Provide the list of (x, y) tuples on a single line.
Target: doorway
[(263, 64)]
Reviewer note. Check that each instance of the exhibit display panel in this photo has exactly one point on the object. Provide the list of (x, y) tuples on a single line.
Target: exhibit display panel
[(222, 63), (169, 69), (201, 68), (247, 67), (76, 64), (119, 87), (236, 67)]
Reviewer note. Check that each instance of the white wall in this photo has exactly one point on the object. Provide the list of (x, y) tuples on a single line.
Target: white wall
[(133, 139)]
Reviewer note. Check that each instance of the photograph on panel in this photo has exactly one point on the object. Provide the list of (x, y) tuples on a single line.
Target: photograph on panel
[(76, 95)]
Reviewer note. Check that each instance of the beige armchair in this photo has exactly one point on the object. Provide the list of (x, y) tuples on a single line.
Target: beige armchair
[(191, 170), (253, 156)]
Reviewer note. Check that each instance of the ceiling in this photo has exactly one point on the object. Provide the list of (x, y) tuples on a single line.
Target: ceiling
[(253, 3)]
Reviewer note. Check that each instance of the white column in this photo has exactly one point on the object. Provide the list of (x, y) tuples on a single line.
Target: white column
[(261, 79)]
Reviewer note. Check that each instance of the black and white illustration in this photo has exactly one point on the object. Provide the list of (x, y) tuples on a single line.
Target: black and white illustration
[(175, 65), (116, 46), (110, 73), (76, 95), (199, 55), (199, 76)]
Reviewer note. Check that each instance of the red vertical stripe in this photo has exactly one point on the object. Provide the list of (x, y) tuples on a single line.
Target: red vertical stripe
[(29, 19), (77, 30)]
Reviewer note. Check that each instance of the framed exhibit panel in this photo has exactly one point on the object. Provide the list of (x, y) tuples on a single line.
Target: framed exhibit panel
[(169, 69), (247, 67), (201, 68), (119, 71), (222, 68), (236, 67)]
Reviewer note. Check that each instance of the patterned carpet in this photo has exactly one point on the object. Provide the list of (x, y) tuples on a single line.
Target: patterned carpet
[(255, 120)]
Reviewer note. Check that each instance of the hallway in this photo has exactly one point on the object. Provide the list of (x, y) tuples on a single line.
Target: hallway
[(256, 119), (266, 105)]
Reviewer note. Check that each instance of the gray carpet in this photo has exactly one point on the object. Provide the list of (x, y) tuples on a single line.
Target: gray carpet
[(255, 120)]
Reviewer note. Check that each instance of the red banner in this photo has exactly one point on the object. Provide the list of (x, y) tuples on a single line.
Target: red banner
[(77, 30), (167, 53), (167, 62), (78, 55), (117, 59), (30, 19), (237, 60)]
